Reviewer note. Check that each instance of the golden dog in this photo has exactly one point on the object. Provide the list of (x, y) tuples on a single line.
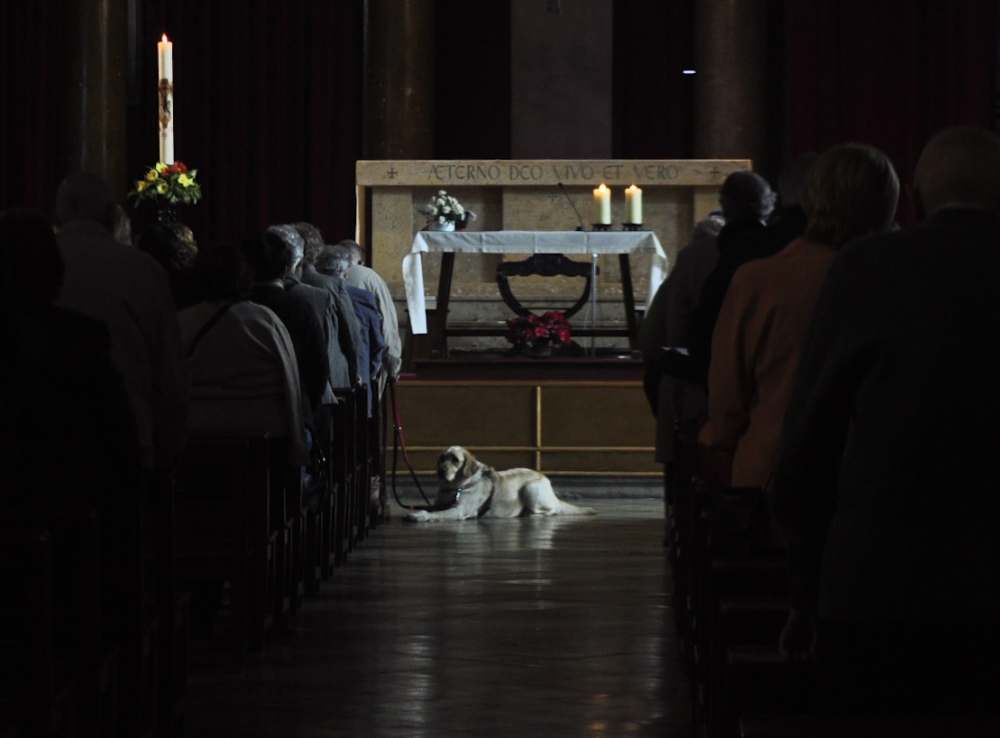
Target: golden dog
[(470, 489)]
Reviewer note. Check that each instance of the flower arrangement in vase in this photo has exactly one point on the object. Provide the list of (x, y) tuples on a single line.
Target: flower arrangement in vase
[(539, 334), (445, 213), (167, 186)]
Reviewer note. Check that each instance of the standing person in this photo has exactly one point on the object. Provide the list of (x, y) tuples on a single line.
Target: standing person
[(747, 202), (127, 290), (663, 324), (851, 191), (886, 485)]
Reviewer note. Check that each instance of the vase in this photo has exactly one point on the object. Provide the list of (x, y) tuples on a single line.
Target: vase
[(448, 225), (166, 216), (541, 349)]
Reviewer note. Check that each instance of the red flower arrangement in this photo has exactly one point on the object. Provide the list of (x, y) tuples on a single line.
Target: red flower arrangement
[(531, 329)]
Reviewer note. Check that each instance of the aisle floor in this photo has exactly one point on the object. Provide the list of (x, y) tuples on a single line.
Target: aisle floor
[(528, 627)]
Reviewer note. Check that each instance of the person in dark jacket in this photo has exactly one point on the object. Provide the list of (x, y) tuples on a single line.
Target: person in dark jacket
[(268, 257), (345, 370), (336, 261)]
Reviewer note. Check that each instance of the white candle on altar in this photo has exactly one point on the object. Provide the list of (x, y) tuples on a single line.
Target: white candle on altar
[(602, 205), (633, 205), (165, 87)]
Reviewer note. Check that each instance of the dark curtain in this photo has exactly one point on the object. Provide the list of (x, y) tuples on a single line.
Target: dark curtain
[(472, 95), (29, 63), (653, 103), (889, 74), (267, 108)]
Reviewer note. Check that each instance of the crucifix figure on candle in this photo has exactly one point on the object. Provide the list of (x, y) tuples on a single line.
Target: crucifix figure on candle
[(165, 53)]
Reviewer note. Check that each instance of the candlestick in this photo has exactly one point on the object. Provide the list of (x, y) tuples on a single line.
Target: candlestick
[(165, 86), (602, 205), (633, 204)]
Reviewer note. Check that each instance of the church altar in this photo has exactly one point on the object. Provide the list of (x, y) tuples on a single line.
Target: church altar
[(524, 242), (539, 196)]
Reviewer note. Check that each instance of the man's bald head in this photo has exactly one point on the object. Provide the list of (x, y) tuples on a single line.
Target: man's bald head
[(958, 166), (84, 195)]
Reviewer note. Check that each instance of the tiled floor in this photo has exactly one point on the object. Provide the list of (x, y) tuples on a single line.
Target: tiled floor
[(527, 627)]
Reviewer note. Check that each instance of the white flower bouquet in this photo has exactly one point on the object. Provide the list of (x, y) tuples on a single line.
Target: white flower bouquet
[(444, 209)]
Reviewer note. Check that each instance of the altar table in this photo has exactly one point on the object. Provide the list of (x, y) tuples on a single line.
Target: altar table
[(623, 243)]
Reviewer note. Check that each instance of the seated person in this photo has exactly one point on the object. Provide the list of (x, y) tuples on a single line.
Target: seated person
[(174, 247), (344, 370), (244, 374), (851, 191), (268, 258), (70, 441), (336, 261), (368, 279)]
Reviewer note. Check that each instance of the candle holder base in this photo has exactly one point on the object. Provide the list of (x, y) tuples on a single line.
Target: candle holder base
[(632, 226), (602, 227)]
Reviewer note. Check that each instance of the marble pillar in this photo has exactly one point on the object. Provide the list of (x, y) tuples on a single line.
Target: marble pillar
[(730, 91), (399, 115), (561, 80), (93, 95)]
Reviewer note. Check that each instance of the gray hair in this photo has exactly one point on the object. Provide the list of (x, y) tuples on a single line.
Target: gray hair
[(294, 243), (85, 196), (335, 260), (709, 227), (313, 239)]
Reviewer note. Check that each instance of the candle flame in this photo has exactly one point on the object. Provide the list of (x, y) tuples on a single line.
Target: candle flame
[(603, 187), (165, 39), (633, 188)]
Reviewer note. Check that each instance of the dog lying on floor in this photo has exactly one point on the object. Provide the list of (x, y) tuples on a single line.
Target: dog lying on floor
[(470, 489)]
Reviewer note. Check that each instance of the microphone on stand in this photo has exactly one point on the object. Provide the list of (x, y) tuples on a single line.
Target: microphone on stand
[(572, 205)]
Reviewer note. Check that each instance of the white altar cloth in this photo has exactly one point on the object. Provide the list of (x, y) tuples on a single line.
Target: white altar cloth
[(525, 242)]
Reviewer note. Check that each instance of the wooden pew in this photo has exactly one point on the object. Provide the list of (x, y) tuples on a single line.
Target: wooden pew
[(364, 463), (345, 473), (34, 700), (765, 725), (225, 531)]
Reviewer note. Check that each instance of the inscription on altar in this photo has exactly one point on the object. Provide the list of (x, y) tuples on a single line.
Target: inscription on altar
[(685, 172), (494, 173)]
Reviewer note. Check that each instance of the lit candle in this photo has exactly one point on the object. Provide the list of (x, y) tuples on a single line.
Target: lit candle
[(165, 86), (633, 204), (602, 205)]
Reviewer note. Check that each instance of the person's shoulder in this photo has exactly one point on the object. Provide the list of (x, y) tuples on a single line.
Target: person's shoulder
[(307, 291), (316, 279), (362, 294), (366, 276), (76, 341)]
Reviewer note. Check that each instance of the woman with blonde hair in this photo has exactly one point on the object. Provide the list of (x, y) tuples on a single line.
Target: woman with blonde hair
[(852, 190)]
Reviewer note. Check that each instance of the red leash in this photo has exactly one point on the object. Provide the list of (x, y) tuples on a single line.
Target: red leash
[(397, 443)]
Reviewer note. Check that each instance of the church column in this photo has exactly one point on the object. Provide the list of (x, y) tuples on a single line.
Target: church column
[(730, 94), (92, 133), (399, 114)]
